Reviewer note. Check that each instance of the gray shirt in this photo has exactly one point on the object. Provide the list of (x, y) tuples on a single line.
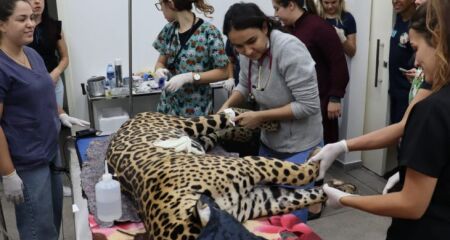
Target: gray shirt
[(292, 81)]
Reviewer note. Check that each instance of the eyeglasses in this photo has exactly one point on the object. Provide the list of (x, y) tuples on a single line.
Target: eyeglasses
[(158, 6)]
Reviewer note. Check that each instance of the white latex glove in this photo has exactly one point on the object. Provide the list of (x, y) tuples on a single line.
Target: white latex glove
[(161, 72), (334, 196), (68, 121), (228, 84), (13, 188), (341, 34), (182, 144), (176, 82), (327, 155), (391, 182), (231, 115)]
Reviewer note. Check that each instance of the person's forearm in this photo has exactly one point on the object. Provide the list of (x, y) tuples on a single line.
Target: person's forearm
[(6, 165), (349, 49), (214, 75), (390, 205), (386, 136), (159, 65), (60, 110), (234, 100), (380, 138), (230, 70), (161, 62), (63, 63), (276, 114), (410, 203), (63, 54), (350, 45)]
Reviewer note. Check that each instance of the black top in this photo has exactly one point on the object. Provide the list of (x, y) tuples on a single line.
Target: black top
[(347, 23), (184, 37), (426, 85), (425, 148), (400, 54), (46, 36)]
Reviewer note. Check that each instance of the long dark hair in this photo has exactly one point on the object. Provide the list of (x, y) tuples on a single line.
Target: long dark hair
[(186, 5), (7, 8), (242, 16), (307, 5)]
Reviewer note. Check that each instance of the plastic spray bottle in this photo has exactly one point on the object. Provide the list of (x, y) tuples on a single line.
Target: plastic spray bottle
[(108, 198)]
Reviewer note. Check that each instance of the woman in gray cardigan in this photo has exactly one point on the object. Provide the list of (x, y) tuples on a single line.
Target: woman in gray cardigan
[(278, 73)]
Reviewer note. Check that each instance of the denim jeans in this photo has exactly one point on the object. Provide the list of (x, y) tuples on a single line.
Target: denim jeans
[(298, 158), (39, 217), (59, 91)]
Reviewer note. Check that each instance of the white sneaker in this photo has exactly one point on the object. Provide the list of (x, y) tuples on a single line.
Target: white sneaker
[(67, 192)]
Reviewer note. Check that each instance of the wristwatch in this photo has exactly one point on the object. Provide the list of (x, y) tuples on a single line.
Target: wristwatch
[(196, 76)]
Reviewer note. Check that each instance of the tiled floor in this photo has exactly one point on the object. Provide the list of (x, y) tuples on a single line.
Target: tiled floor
[(349, 224), (345, 224)]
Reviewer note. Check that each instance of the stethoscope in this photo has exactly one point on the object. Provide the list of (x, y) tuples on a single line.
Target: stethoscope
[(258, 86)]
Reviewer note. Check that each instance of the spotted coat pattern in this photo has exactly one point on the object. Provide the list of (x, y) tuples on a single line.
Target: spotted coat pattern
[(166, 185)]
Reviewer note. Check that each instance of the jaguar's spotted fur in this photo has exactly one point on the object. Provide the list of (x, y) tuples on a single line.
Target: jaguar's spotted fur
[(166, 185)]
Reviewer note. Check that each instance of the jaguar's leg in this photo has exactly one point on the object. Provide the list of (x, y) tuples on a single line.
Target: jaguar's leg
[(210, 141), (274, 200), (204, 125), (277, 172), (237, 134)]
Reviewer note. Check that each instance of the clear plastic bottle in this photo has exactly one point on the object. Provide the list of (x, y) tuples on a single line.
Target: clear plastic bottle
[(109, 83), (108, 198)]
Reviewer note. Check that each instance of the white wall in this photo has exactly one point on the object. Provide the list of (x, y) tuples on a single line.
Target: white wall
[(352, 123), (97, 32)]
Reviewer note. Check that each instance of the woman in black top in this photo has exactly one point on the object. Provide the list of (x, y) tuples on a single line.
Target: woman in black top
[(49, 42), (421, 210)]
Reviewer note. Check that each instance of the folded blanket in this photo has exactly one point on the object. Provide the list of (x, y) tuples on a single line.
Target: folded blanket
[(285, 227)]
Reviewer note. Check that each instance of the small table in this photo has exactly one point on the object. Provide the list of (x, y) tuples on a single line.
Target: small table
[(91, 99)]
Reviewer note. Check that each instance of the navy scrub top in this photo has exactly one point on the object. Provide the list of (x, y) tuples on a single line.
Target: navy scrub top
[(29, 121)]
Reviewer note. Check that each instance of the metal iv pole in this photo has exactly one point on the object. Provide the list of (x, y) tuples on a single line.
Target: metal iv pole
[(130, 57)]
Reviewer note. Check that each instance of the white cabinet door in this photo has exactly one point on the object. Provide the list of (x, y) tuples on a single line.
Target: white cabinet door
[(352, 122), (377, 100)]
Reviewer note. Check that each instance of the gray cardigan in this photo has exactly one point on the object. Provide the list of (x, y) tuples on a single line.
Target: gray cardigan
[(293, 80)]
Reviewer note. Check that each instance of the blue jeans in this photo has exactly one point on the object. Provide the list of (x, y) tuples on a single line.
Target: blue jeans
[(39, 217), (298, 158), (59, 91)]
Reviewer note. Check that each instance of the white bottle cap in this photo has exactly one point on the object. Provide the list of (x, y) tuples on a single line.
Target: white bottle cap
[(106, 177), (117, 62)]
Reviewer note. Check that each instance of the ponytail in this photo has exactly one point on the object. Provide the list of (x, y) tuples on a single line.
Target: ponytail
[(203, 7), (186, 5), (307, 5)]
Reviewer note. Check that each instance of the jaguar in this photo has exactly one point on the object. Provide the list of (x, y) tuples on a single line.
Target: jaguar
[(161, 163)]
